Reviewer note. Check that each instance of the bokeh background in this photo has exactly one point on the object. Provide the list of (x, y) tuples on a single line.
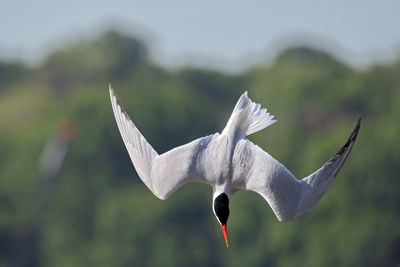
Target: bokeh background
[(69, 195)]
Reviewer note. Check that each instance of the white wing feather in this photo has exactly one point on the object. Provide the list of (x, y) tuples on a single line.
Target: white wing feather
[(165, 173), (289, 198)]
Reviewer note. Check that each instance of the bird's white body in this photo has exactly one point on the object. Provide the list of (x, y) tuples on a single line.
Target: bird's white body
[(229, 163)]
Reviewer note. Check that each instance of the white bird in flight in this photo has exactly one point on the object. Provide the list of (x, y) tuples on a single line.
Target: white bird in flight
[(229, 163)]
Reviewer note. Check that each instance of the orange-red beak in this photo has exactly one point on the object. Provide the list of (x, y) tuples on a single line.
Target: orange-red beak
[(225, 234)]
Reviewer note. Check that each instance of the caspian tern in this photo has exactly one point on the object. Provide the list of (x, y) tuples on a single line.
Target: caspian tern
[(229, 163)]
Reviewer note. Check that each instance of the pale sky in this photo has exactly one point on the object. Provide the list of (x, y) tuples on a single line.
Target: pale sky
[(220, 34)]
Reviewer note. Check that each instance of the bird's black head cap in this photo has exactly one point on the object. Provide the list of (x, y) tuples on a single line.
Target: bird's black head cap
[(221, 208)]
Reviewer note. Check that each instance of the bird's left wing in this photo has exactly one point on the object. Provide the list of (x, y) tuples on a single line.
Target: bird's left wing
[(165, 173), (255, 170)]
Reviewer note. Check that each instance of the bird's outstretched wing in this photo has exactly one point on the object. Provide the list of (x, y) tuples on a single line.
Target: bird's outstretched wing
[(165, 173), (289, 198)]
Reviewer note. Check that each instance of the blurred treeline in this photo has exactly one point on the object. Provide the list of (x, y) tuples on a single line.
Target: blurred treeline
[(95, 211)]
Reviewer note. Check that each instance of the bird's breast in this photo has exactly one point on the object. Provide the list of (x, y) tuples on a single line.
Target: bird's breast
[(242, 164), (222, 159)]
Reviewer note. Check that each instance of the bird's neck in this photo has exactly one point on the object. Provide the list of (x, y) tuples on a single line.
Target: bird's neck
[(222, 188)]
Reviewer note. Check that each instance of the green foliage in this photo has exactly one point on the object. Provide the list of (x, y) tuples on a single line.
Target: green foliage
[(97, 212)]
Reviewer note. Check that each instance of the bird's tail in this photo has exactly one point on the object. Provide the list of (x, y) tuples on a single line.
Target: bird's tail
[(247, 117)]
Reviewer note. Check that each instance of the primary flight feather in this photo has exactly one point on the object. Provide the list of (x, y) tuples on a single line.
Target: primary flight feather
[(229, 163)]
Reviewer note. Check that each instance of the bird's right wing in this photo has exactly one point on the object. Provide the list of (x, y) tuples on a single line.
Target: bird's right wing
[(255, 170), (165, 173)]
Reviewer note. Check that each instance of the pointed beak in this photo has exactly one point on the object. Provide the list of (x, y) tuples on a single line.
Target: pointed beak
[(223, 227)]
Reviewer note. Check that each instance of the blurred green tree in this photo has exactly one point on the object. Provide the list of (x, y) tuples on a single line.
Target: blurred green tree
[(96, 211)]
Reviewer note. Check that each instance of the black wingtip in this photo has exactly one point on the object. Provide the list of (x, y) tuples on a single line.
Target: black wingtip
[(358, 123), (354, 134), (351, 139)]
